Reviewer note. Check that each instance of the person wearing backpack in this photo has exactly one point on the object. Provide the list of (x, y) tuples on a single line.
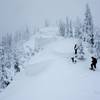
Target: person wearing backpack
[(93, 64)]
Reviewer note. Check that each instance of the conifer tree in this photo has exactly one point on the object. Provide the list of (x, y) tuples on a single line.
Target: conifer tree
[(70, 29), (62, 28), (67, 27), (78, 29), (88, 27)]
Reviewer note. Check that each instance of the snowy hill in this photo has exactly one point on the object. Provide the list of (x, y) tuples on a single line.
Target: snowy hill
[(50, 75), (37, 42)]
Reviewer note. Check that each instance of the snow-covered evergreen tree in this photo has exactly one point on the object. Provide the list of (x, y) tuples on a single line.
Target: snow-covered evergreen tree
[(88, 27), (98, 48), (80, 51), (4, 66), (46, 23), (7, 61), (97, 43), (78, 29), (26, 34), (67, 27), (70, 29), (62, 28)]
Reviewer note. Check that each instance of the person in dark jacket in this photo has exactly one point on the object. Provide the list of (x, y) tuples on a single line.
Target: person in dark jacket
[(75, 49), (93, 64)]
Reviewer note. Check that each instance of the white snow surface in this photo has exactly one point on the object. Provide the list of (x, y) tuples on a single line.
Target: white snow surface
[(50, 75)]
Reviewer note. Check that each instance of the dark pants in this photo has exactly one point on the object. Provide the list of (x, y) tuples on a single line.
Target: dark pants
[(72, 59), (93, 66), (75, 51)]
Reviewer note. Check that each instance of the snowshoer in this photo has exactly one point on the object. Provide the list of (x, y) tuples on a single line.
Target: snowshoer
[(73, 59), (93, 64), (75, 49)]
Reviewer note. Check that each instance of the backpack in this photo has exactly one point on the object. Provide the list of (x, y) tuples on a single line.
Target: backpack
[(95, 60)]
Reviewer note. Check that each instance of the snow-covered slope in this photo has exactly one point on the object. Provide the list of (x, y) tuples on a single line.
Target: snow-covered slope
[(50, 75), (38, 41)]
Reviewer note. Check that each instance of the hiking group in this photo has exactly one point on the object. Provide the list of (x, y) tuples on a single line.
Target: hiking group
[(93, 62)]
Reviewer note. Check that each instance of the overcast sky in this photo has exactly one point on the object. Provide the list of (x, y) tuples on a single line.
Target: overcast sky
[(16, 14)]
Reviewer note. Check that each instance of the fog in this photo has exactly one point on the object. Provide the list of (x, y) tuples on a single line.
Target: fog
[(17, 14)]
